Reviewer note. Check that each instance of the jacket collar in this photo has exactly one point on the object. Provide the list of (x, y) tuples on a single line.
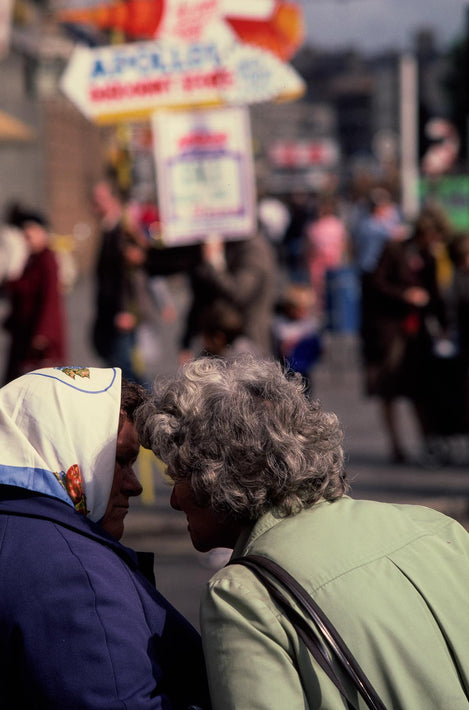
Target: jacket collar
[(28, 504), (253, 532)]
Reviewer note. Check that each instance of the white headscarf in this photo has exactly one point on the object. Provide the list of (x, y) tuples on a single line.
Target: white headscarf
[(58, 434)]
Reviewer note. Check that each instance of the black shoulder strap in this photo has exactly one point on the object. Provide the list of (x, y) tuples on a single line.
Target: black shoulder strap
[(326, 638)]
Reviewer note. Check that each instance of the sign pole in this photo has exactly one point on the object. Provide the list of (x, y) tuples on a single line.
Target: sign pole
[(409, 135)]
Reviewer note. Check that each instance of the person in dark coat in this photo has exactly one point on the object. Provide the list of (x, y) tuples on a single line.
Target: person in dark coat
[(36, 319), (239, 272), (117, 307), (458, 304), (403, 305), (82, 625)]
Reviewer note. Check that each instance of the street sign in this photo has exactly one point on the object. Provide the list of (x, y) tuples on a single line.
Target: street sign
[(322, 152), (205, 174), (275, 25), (131, 81)]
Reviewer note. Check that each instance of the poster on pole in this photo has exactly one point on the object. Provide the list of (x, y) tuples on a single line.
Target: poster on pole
[(205, 174)]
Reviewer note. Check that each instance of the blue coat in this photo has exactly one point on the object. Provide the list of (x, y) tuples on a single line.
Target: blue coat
[(80, 625)]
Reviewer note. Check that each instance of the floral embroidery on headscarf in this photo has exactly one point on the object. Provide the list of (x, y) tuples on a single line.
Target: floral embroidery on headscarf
[(72, 481), (74, 371)]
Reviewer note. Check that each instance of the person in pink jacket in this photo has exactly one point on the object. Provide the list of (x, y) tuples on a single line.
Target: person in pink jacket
[(327, 245)]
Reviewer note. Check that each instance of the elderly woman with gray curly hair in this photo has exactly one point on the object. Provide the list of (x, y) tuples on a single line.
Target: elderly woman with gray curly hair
[(258, 467)]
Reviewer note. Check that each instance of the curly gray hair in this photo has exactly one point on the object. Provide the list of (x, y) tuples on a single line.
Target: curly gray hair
[(245, 436)]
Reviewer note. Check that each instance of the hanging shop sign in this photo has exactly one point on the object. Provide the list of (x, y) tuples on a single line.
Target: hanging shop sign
[(131, 81), (323, 152), (275, 25), (205, 174)]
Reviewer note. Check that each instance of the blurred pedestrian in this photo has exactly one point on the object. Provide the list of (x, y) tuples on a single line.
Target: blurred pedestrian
[(13, 248), (36, 319), (458, 305), (258, 468), (274, 218), (327, 245), (377, 225), (293, 245), (241, 272), (297, 332), (118, 281), (459, 291), (81, 623), (222, 331), (402, 300)]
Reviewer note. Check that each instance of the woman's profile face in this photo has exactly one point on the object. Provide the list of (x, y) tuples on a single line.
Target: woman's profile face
[(125, 483), (207, 528)]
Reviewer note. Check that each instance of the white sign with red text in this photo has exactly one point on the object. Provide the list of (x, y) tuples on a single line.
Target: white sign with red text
[(189, 21), (323, 152), (205, 174), (131, 81)]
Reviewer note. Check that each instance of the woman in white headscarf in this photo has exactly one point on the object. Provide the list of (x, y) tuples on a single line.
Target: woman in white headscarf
[(81, 626)]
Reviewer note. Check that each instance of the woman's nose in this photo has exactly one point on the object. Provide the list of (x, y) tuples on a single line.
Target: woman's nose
[(133, 485)]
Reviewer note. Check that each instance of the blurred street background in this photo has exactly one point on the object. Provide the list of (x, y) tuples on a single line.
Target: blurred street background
[(153, 526), (289, 177)]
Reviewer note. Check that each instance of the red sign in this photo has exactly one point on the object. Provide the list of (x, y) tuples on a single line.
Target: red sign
[(301, 154), (274, 25)]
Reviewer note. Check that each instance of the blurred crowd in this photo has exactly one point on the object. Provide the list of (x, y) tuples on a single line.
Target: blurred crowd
[(317, 264)]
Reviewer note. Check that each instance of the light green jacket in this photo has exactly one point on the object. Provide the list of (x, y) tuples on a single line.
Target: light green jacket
[(393, 579)]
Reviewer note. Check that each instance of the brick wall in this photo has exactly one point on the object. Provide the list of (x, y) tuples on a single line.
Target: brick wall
[(73, 161)]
